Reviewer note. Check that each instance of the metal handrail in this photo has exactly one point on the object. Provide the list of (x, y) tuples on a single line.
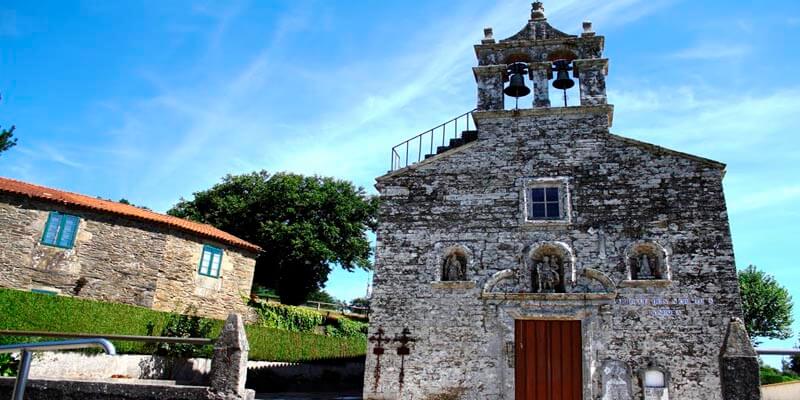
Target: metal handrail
[(778, 352), (124, 338), (397, 160), (27, 350)]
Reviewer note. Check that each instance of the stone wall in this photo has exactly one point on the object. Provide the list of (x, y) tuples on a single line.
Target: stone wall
[(620, 192), (117, 259)]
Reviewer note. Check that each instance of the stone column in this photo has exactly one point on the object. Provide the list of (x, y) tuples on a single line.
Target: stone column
[(229, 364), (592, 77), (540, 74), (739, 370), (490, 81)]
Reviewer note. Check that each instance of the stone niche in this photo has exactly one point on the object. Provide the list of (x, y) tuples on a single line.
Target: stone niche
[(454, 265), (551, 268), (647, 261)]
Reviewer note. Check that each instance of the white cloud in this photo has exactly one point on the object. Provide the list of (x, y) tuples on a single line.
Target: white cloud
[(712, 51), (763, 199)]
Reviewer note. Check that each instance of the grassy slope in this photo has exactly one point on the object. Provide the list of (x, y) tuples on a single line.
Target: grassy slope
[(29, 311)]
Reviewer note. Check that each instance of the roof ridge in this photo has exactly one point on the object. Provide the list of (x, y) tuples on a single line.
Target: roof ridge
[(81, 200)]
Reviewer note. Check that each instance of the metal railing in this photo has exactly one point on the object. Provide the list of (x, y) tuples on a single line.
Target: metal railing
[(123, 338), (86, 340), (413, 150), (26, 350), (778, 352)]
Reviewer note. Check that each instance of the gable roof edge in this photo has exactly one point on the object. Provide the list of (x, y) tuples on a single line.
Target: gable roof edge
[(664, 150)]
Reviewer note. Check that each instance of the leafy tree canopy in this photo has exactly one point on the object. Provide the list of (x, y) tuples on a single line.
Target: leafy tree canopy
[(7, 139), (304, 224), (767, 305), (360, 302), (322, 297), (793, 365)]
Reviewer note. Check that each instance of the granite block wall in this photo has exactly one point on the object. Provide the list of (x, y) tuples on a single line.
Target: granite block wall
[(620, 192)]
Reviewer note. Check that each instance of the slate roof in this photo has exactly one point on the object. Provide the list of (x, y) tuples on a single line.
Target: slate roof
[(78, 200)]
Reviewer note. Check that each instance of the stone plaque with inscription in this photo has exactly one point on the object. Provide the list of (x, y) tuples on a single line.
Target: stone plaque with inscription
[(616, 381)]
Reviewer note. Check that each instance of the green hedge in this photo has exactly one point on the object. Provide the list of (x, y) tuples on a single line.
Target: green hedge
[(301, 319), (21, 310), (295, 319)]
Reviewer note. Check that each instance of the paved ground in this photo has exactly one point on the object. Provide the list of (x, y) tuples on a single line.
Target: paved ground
[(309, 396)]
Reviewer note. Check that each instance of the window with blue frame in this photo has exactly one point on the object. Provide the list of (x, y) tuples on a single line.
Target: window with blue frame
[(61, 230), (210, 261), (544, 203)]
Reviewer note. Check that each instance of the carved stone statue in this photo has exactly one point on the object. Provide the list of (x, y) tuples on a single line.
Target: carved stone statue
[(644, 268), (549, 274), (647, 267), (454, 269)]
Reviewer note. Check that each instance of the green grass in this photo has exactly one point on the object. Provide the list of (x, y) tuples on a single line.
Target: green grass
[(37, 312)]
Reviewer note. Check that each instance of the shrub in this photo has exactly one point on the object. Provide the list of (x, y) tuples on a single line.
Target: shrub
[(8, 365), (290, 318), (770, 375), (345, 327), (185, 325)]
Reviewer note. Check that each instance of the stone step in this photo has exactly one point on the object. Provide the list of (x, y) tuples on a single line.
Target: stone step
[(469, 136), (456, 142), (442, 149)]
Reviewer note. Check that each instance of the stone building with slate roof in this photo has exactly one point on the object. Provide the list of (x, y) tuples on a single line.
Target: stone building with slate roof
[(539, 256), (64, 243)]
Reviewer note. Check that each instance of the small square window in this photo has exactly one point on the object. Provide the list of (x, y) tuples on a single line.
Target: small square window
[(210, 261), (61, 230), (544, 203)]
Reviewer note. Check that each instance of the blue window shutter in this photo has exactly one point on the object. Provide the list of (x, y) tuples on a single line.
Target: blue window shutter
[(69, 228), (210, 261), (205, 261), (51, 229)]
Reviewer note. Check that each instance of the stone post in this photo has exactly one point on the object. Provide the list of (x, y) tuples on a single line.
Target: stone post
[(229, 364), (739, 370), (490, 81), (592, 76), (540, 74)]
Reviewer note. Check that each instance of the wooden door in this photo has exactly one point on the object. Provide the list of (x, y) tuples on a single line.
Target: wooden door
[(548, 360)]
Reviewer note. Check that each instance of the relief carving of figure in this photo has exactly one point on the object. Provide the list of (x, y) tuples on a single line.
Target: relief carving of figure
[(454, 269), (647, 267), (549, 272), (644, 268)]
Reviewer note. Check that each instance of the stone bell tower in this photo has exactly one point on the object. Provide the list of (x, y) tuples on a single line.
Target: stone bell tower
[(539, 46)]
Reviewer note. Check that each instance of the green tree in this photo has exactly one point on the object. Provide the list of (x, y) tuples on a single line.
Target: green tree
[(793, 364), (7, 139), (322, 297), (360, 302), (766, 304), (304, 225)]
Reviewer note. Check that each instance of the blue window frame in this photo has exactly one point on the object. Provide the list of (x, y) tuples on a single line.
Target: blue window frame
[(544, 203), (60, 230), (210, 261)]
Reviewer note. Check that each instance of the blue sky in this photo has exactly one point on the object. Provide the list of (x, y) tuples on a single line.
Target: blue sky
[(155, 100)]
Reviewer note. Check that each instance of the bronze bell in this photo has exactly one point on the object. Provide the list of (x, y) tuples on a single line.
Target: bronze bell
[(516, 87), (563, 81)]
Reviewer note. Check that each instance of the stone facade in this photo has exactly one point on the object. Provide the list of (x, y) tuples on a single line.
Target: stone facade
[(118, 259), (641, 252)]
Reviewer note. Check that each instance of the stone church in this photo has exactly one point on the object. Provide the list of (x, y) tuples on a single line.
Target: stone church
[(536, 255)]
